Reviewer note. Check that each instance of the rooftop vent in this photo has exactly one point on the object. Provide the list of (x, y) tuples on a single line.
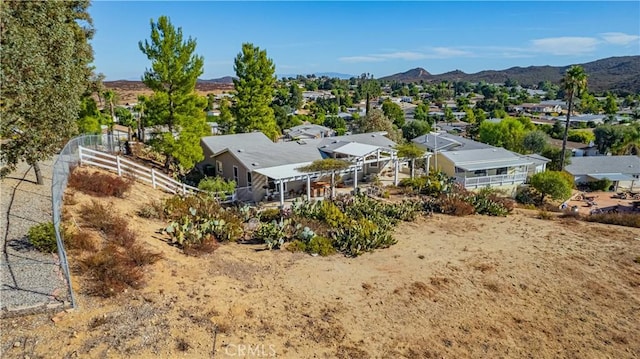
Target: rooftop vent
[(373, 135), (255, 164), (240, 150)]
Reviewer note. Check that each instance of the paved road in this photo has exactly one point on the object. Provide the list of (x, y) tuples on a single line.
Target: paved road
[(31, 281)]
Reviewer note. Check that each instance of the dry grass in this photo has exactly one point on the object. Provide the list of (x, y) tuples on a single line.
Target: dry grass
[(99, 184), (110, 271)]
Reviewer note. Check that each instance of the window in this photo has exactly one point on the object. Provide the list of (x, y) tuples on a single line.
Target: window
[(219, 168), (209, 170), (373, 165), (480, 172), (501, 171), (235, 174), (248, 179)]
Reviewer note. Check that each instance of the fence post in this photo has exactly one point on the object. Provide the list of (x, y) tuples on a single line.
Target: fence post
[(153, 178), (184, 188), (118, 163), (80, 154)]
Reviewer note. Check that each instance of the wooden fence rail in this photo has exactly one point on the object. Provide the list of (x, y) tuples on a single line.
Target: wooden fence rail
[(124, 167)]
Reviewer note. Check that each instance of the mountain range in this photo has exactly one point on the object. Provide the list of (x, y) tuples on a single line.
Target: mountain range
[(617, 74)]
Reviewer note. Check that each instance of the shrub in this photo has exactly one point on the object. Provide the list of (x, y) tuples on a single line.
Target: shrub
[(297, 246), (620, 219), (600, 185), (274, 234), (270, 214), (553, 184), (455, 205), (320, 245), (82, 240), (43, 237), (361, 236), (141, 256), (544, 214), (217, 185), (205, 246), (527, 196), (197, 217), (111, 272), (153, 209), (99, 184)]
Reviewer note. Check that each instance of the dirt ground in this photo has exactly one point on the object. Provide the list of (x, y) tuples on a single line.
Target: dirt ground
[(451, 287), (601, 202)]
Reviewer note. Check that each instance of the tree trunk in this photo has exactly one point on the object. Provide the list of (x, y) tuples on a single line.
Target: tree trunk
[(333, 185), (566, 132), (367, 107), (413, 168), (167, 162), (38, 171)]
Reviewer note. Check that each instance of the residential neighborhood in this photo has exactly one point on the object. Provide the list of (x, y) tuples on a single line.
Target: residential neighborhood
[(319, 179)]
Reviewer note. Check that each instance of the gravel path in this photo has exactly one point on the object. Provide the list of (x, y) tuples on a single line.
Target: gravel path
[(31, 281)]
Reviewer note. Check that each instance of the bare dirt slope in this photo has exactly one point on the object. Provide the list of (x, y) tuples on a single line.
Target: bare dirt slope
[(451, 287)]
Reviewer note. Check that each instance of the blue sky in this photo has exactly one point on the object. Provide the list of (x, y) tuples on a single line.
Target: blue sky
[(381, 38)]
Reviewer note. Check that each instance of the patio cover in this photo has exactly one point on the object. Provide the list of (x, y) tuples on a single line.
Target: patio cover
[(288, 173), (357, 149), (285, 172), (612, 176)]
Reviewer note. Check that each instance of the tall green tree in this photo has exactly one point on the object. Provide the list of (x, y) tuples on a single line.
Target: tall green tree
[(573, 83), (610, 105), (377, 121), (535, 141), (368, 88), (394, 112), (44, 73), (175, 105), (255, 87)]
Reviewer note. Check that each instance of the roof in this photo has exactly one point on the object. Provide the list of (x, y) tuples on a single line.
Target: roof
[(254, 150), (612, 177), (248, 140), (308, 130), (536, 159), (485, 158), (593, 165), (356, 149), (448, 142)]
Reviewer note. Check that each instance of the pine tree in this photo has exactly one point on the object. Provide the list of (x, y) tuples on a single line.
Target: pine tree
[(255, 86), (175, 105), (45, 70)]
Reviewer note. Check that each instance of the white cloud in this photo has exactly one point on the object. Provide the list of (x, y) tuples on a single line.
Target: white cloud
[(444, 52), (619, 38), (565, 45), (357, 59), (432, 53)]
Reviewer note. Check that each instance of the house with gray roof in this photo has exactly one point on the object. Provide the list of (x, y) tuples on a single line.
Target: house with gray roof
[(264, 169), (476, 165), (623, 171), (308, 131)]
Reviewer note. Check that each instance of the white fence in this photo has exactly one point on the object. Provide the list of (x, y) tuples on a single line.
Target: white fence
[(498, 180), (124, 167)]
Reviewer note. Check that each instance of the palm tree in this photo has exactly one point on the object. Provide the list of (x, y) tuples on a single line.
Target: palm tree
[(574, 82)]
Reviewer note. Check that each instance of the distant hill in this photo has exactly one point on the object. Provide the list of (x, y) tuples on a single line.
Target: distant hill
[(320, 74), (619, 74), (221, 80)]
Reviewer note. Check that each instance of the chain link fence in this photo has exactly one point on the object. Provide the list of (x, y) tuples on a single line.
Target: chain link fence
[(64, 164)]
